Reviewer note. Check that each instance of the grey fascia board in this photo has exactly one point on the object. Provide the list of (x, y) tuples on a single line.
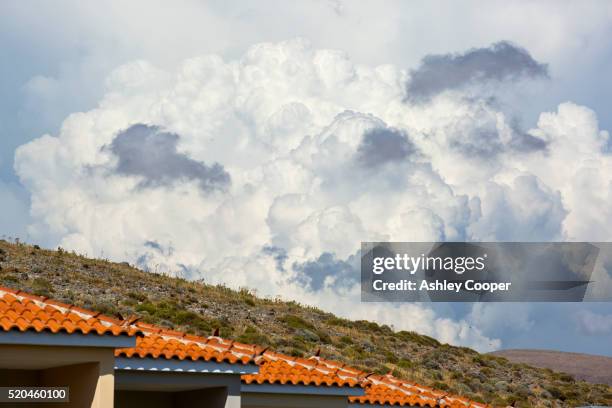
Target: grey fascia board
[(163, 364), (32, 338), (302, 389)]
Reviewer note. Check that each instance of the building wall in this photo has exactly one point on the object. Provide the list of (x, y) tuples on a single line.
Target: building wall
[(18, 377), (81, 378), (147, 399), (88, 371), (263, 400), (176, 390), (205, 398)]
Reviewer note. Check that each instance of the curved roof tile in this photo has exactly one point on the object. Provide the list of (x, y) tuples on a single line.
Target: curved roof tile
[(162, 343), (24, 312)]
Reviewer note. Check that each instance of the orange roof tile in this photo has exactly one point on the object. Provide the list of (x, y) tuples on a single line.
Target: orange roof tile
[(24, 312), (276, 368), (159, 342), (384, 395), (389, 390)]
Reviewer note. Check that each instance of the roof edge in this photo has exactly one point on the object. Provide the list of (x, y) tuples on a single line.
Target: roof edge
[(345, 391), (182, 366), (45, 338)]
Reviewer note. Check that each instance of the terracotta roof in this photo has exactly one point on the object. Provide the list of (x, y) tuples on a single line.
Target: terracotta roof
[(276, 368), (20, 311), (159, 342), (389, 390), (385, 395)]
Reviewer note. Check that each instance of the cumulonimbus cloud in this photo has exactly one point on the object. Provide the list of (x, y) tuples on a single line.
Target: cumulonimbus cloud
[(323, 153)]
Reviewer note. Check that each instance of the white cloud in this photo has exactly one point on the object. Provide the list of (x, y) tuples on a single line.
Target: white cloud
[(593, 323), (496, 317), (522, 210), (286, 121)]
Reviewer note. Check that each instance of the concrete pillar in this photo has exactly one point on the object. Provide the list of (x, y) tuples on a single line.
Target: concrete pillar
[(89, 385), (105, 391), (232, 401), (233, 394)]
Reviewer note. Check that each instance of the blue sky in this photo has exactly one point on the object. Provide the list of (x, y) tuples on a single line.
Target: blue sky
[(305, 128)]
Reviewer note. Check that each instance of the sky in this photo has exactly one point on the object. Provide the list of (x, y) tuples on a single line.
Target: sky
[(256, 144)]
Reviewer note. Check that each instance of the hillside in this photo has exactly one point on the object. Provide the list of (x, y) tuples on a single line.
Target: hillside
[(118, 288), (587, 367)]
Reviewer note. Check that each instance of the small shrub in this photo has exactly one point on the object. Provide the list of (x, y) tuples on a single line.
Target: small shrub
[(336, 321), (417, 338), (566, 377), (296, 322), (307, 335), (10, 278), (323, 336), (441, 386), (106, 308), (391, 357), (42, 287), (555, 392), (403, 363), (252, 336), (185, 317), (247, 297), (346, 340), (146, 307), (295, 353), (500, 402), (501, 385)]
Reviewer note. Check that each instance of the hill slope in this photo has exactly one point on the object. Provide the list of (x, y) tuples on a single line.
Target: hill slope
[(287, 327), (587, 367)]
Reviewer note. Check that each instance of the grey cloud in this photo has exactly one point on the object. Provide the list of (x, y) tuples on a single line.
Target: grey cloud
[(485, 141), (279, 255), (159, 248), (481, 142), (383, 145), (153, 245), (312, 274), (143, 260), (149, 152), (499, 62), (524, 142)]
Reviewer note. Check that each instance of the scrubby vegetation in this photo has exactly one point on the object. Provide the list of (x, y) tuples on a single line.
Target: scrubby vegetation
[(119, 289)]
